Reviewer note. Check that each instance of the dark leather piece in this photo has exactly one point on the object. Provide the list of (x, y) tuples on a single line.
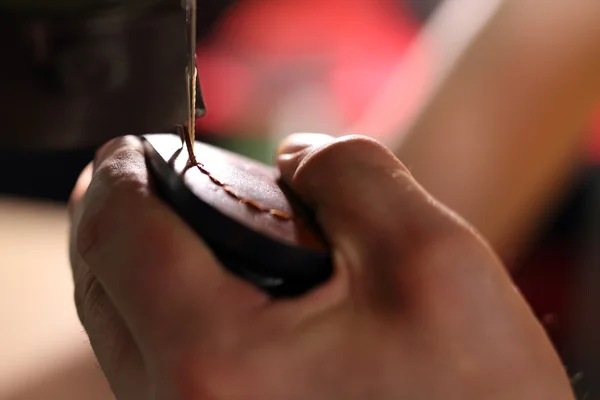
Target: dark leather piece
[(284, 254)]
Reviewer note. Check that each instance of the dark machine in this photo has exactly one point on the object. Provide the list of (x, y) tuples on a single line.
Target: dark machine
[(75, 73)]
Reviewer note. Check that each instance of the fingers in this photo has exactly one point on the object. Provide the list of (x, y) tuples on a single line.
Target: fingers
[(359, 188), (160, 277), (367, 202), (114, 347)]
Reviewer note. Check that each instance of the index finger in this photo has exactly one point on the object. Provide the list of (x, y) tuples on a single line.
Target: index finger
[(158, 273)]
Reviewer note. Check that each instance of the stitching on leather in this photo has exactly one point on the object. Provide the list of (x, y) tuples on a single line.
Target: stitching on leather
[(230, 191)]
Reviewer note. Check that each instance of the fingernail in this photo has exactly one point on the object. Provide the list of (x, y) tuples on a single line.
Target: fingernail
[(299, 142), (294, 149)]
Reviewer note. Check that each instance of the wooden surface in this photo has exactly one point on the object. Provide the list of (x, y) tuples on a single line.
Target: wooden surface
[(44, 353)]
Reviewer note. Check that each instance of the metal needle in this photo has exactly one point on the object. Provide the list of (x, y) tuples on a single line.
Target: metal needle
[(191, 76)]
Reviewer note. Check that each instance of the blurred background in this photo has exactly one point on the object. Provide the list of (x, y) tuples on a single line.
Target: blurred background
[(491, 109)]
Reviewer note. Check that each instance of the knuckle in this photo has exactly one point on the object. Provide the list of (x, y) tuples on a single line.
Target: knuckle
[(101, 322), (87, 234), (88, 296), (356, 148), (350, 152)]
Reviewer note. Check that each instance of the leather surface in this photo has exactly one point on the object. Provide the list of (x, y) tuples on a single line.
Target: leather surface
[(246, 179)]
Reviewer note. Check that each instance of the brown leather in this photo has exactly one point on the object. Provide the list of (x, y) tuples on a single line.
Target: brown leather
[(255, 226), (248, 180)]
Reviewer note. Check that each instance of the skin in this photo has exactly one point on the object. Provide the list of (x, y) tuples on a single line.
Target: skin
[(511, 90), (419, 306)]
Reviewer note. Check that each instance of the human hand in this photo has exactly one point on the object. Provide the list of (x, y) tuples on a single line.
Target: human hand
[(419, 307)]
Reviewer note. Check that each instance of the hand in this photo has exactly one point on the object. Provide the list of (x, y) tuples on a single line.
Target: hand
[(419, 307)]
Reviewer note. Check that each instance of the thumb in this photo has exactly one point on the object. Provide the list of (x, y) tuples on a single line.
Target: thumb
[(373, 212), (297, 144)]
